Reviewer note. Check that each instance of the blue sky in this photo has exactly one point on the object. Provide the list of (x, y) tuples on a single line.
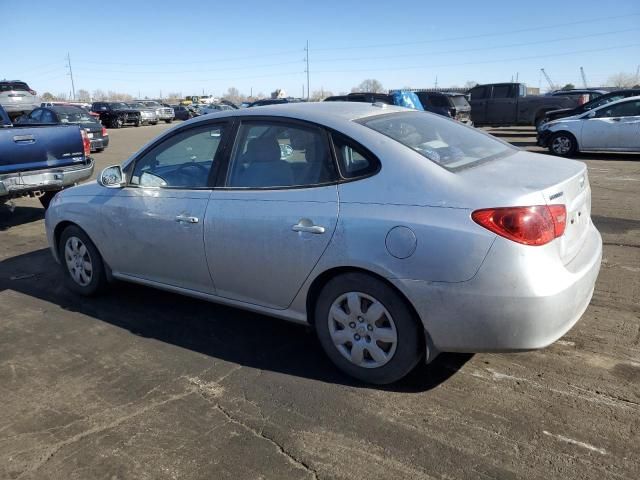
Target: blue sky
[(187, 46)]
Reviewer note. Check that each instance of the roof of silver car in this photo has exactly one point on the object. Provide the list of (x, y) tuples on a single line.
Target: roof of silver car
[(315, 111)]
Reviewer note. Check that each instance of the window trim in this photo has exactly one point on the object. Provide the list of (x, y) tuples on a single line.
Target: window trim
[(370, 155), (214, 173), (223, 175)]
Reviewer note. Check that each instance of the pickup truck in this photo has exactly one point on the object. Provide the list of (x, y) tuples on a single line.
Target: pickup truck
[(503, 104), (41, 160)]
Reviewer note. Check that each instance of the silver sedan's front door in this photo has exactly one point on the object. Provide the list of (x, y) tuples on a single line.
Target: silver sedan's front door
[(155, 225)]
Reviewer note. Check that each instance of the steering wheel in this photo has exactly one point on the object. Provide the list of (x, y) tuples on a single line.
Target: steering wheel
[(184, 166)]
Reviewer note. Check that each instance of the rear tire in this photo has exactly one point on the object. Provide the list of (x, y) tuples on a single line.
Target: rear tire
[(367, 329), (168, 121), (116, 122), (82, 264), (563, 144)]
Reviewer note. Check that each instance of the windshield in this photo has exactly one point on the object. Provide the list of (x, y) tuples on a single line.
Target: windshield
[(119, 106), (137, 105), (74, 115), (445, 142)]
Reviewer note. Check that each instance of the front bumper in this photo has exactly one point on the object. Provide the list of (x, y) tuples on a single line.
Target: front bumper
[(21, 183), (516, 301), (166, 116), (543, 138)]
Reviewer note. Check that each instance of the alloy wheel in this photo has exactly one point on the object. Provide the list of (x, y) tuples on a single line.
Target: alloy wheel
[(561, 145), (362, 330), (78, 261)]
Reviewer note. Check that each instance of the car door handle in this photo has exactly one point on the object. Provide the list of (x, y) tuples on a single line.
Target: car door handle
[(306, 226), (616, 119), (186, 219), (24, 139)]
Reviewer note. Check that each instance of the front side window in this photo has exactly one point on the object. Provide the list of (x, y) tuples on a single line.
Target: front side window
[(48, 117), (442, 141), (479, 93), (626, 109), (36, 115), (502, 91), (279, 155), (184, 160)]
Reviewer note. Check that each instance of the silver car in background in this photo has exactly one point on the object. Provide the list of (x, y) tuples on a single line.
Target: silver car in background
[(163, 112), (17, 98), (397, 234), (147, 115)]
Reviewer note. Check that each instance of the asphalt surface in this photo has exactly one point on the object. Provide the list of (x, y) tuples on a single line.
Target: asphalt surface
[(142, 384)]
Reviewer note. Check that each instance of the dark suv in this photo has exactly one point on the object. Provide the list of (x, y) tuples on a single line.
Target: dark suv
[(597, 102), (454, 105)]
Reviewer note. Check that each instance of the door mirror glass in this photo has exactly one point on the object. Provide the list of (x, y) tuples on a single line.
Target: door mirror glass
[(112, 177)]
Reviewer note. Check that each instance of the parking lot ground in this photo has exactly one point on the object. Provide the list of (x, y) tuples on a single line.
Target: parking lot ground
[(143, 384)]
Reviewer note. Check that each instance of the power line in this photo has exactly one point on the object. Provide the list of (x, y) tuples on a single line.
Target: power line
[(197, 62), (248, 67), (306, 58), (418, 67), (464, 50), (482, 35)]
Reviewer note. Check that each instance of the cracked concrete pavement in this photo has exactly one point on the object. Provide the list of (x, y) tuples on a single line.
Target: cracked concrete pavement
[(142, 384)]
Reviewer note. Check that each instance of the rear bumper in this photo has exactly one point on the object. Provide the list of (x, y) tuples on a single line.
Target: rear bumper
[(99, 143), (166, 116), (21, 183), (19, 107), (525, 303)]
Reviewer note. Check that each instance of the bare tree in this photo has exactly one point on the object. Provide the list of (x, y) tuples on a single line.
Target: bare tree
[(83, 95), (119, 97), (469, 84), (369, 85), (61, 97), (47, 97), (173, 97), (319, 95), (622, 79), (233, 95), (568, 86), (99, 95)]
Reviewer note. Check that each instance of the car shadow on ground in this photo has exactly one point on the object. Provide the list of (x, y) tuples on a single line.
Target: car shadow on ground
[(19, 216), (221, 332)]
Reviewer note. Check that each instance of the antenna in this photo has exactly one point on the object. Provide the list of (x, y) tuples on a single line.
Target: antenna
[(638, 74), (306, 59), (73, 88), (551, 84), (584, 78)]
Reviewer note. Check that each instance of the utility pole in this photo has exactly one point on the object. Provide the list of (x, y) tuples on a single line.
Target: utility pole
[(251, 94), (435, 85), (306, 59), (584, 78), (302, 91), (73, 87)]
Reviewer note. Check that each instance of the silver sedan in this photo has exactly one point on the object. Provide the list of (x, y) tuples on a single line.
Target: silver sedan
[(397, 234)]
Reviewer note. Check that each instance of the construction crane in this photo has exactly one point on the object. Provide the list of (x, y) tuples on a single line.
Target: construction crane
[(551, 84), (584, 78)]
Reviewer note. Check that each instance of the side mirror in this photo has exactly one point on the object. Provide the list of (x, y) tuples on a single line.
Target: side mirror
[(112, 177), (591, 114)]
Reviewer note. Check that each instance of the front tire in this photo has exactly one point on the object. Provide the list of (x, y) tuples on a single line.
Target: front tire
[(563, 144), (168, 121), (116, 122), (367, 329), (82, 264)]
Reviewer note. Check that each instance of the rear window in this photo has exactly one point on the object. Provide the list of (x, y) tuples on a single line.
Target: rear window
[(459, 101), (439, 101), (440, 140), (8, 86), (74, 115)]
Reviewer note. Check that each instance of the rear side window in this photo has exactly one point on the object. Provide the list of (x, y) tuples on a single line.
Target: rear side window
[(353, 159), (439, 101), (280, 155)]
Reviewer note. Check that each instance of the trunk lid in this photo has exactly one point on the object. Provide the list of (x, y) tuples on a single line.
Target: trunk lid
[(527, 178)]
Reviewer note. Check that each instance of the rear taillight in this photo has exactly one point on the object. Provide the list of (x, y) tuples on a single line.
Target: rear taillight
[(104, 132), (86, 143), (33, 92), (535, 225)]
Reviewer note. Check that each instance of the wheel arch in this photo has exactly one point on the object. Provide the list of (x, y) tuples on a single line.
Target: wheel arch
[(323, 278), (57, 233), (566, 132)]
